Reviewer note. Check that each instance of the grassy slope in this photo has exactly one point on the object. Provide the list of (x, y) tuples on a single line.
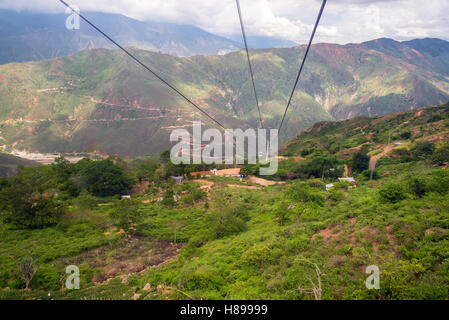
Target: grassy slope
[(425, 123), (408, 240)]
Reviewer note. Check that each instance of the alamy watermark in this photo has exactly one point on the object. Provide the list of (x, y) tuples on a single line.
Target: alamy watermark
[(373, 281), (73, 20), (207, 147), (73, 280)]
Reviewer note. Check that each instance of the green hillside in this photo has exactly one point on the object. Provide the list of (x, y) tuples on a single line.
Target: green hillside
[(222, 238), (428, 123), (102, 101)]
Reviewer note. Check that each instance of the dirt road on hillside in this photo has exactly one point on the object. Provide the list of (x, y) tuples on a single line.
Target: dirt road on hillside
[(373, 160)]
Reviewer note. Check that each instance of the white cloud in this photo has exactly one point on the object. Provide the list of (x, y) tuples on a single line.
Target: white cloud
[(343, 20)]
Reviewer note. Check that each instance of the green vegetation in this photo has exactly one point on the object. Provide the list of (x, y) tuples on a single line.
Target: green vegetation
[(101, 101), (221, 238)]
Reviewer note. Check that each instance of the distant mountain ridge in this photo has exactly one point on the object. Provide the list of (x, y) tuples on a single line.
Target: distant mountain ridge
[(100, 100), (28, 36)]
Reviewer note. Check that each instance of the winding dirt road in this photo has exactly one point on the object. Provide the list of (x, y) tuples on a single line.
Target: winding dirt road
[(373, 160)]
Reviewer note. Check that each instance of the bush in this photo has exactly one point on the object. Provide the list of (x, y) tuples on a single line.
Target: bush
[(336, 195), (405, 135), (423, 149), (169, 200), (359, 161), (27, 270), (103, 178), (438, 181), (127, 215), (25, 208), (392, 192), (224, 223), (367, 174), (257, 256), (417, 186), (441, 155), (301, 192), (316, 183), (281, 214), (85, 201)]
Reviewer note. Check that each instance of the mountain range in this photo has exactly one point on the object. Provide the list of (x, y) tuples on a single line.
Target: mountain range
[(30, 36), (100, 100)]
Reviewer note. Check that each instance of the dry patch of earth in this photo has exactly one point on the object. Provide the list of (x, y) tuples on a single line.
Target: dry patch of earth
[(135, 255)]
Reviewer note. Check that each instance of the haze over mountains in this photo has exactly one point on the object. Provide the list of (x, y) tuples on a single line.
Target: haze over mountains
[(100, 100), (28, 36)]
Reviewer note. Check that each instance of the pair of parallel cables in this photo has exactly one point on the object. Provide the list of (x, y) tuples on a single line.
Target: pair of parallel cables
[(247, 54)]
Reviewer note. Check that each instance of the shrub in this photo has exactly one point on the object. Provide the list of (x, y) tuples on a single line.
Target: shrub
[(417, 186), (441, 155), (405, 135), (367, 174), (27, 269), (169, 200), (103, 178), (359, 161), (127, 215), (27, 209), (438, 181), (336, 195), (85, 201), (257, 255), (224, 223), (423, 149), (316, 183), (281, 214), (301, 192), (392, 192)]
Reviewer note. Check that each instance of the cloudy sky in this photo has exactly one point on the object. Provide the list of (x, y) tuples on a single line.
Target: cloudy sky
[(343, 21)]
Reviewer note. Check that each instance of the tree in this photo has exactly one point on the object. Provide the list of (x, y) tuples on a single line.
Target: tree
[(169, 200), (25, 207), (441, 155), (104, 178), (281, 215), (406, 135), (165, 156), (27, 270), (360, 161), (392, 192), (176, 225), (423, 149), (127, 215), (301, 192), (315, 288), (145, 170)]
